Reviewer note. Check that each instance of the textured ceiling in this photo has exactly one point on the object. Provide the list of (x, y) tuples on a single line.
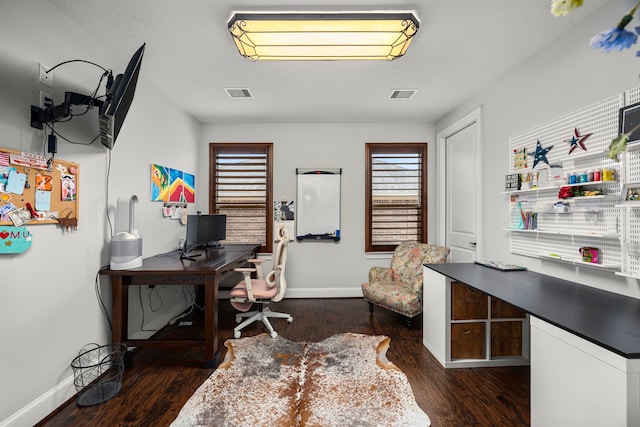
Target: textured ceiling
[(462, 46)]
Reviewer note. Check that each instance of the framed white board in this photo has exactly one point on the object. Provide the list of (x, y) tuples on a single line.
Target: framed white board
[(318, 204)]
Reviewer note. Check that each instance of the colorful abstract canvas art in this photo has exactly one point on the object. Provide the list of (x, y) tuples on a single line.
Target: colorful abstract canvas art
[(172, 185)]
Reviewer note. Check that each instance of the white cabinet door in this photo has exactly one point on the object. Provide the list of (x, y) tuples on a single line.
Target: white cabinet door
[(577, 383)]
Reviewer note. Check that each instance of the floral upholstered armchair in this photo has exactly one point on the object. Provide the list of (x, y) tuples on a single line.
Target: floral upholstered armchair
[(399, 287)]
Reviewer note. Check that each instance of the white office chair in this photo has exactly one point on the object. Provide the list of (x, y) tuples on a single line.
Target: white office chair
[(261, 290)]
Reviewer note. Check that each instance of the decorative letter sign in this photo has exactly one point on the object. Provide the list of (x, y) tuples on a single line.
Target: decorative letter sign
[(14, 240)]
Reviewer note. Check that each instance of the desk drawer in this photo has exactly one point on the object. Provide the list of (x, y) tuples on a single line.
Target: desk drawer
[(503, 310), (468, 303), (468, 340), (506, 339)]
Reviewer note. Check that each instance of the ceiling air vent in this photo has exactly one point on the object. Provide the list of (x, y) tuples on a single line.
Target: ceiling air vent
[(238, 93), (402, 94)]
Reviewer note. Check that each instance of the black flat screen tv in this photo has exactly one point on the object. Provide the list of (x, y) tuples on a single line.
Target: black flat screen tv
[(118, 100), (204, 231)]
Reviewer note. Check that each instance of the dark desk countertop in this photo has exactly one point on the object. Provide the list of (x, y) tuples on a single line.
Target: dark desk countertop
[(205, 261), (607, 319)]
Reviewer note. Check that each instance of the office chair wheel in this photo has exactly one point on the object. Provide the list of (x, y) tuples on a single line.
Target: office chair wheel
[(274, 334), (237, 334), (238, 319)]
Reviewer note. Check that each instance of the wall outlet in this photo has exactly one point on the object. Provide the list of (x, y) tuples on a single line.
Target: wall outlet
[(43, 96), (44, 77)]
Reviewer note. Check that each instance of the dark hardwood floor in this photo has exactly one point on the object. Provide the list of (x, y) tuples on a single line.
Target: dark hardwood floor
[(161, 380)]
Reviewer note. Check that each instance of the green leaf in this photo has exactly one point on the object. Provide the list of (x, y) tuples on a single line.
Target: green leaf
[(617, 146)]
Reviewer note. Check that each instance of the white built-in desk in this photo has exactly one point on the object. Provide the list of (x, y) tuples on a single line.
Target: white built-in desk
[(584, 342)]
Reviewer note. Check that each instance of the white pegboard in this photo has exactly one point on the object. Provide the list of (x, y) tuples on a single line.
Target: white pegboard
[(631, 159), (631, 241), (631, 163), (599, 119), (591, 221), (632, 96)]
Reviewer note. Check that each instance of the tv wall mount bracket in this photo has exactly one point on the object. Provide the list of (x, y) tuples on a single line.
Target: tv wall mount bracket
[(52, 113)]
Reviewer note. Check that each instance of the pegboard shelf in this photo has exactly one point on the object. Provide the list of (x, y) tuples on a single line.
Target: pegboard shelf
[(591, 183), (557, 188), (581, 211), (532, 190), (580, 263), (586, 156), (601, 196), (632, 276), (562, 233)]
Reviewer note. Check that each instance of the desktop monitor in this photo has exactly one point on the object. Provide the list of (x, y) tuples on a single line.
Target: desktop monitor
[(191, 239), (212, 229), (119, 99), (204, 231)]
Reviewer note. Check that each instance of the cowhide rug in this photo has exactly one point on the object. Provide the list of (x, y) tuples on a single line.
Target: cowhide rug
[(345, 380)]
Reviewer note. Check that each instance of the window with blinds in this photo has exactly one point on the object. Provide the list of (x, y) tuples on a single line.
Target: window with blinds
[(241, 188), (396, 195)]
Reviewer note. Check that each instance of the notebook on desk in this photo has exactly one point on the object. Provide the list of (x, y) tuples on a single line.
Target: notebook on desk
[(502, 266)]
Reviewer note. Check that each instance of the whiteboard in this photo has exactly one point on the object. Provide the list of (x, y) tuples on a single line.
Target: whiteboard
[(318, 204)]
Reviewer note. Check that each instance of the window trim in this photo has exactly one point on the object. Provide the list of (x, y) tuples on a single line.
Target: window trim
[(248, 147), (393, 148)]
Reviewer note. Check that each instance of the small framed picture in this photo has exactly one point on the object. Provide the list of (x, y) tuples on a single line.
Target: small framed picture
[(631, 193), (512, 182), (629, 119)]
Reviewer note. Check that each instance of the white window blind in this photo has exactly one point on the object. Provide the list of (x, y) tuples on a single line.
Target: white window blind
[(241, 183), (396, 195)]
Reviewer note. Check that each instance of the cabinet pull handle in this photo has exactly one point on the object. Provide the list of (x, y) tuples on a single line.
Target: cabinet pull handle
[(467, 332)]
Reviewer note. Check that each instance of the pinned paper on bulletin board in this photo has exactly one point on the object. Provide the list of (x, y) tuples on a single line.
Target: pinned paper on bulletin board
[(32, 191), (16, 182)]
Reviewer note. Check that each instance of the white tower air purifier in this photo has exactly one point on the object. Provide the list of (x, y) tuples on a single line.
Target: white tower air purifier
[(126, 244)]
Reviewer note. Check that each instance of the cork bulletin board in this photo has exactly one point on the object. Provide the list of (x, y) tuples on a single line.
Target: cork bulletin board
[(37, 193)]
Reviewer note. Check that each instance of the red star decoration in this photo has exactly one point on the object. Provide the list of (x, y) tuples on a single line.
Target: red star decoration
[(577, 140)]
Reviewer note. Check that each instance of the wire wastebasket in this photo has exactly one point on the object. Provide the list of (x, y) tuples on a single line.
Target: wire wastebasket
[(97, 373)]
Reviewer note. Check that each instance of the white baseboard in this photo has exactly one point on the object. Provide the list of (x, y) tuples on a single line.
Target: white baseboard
[(354, 292), (42, 406), (313, 293)]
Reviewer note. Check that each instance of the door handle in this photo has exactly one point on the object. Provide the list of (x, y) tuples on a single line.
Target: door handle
[(473, 243)]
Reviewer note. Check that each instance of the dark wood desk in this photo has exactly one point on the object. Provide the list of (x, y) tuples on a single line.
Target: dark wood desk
[(208, 269)]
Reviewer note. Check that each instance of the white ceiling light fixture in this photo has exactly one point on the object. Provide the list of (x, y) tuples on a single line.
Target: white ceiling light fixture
[(323, 35)]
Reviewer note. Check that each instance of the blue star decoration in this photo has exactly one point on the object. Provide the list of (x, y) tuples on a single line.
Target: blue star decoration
[(577, 140), (540, 155)]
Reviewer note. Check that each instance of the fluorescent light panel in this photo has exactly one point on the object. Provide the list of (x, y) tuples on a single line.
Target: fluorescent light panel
[(323, 36)]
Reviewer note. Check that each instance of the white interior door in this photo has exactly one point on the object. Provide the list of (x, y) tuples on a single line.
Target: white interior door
[(460, 188)]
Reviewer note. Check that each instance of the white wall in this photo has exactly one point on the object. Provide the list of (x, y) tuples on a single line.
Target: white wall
[(559, 79), (324, 269), (48, 306)]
